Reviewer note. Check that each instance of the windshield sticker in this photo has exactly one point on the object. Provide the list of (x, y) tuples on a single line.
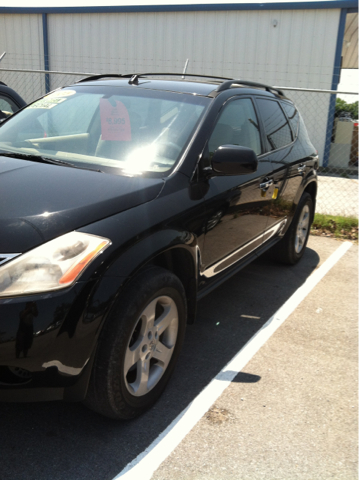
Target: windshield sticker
[(47, 102), (63, 93), (115, 121)]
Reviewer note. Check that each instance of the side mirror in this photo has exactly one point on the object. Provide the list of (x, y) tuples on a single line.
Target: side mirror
[(234, 160)]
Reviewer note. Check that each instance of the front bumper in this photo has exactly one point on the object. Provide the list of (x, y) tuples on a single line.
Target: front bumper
[(47, 342)]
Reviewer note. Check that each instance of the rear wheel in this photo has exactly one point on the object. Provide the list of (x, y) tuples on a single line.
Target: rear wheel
[(291, 248), (139, 346)]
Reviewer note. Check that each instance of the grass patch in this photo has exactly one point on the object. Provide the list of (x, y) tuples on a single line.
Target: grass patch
[(335, 226)]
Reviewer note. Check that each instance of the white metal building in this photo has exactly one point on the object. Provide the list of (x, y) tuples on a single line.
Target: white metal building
[(293, 44)]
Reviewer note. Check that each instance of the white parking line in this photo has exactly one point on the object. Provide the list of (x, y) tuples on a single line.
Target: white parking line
[(145, 464)]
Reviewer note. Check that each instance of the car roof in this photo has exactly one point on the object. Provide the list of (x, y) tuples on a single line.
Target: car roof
[(204, 86)]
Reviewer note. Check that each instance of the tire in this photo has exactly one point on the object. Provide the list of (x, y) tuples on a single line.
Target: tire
[(138, 346), (292, 246)]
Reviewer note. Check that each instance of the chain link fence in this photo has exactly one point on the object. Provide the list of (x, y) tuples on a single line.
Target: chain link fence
[(336, 139)]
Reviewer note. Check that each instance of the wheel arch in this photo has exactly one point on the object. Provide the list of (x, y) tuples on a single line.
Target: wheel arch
[(176, 251), (312, 189), (181, 263), (309, 185)]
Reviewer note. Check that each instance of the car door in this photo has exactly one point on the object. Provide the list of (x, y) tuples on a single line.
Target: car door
[(282, 152), (237, 207)]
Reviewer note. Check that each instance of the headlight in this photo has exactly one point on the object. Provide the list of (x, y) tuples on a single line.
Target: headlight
[(52, 266)]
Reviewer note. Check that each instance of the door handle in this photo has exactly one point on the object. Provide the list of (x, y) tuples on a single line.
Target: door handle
[(302, 168), (266, 185)]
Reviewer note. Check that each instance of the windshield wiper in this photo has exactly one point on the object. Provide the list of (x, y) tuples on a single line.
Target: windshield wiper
[(34, 158), (41, 159)]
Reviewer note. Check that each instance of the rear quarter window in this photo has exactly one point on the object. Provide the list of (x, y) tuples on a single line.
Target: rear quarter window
[(293, 116), (277, 130)]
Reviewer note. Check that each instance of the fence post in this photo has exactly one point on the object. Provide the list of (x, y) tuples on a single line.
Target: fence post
[(335, 82), (46, 51)]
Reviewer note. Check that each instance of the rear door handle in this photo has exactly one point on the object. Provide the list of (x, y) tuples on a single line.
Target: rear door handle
[(266, 185)]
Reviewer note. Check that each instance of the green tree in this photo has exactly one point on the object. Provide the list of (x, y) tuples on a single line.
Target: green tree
[(342, 106)]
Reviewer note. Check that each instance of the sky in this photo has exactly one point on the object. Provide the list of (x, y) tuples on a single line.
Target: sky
[(349, 81)]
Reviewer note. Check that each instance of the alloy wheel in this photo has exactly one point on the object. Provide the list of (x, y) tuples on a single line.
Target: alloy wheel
[(151, 345), (302, 229)]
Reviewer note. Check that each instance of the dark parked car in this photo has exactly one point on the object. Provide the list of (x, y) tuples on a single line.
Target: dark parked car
[(10, 102), (124, 200)]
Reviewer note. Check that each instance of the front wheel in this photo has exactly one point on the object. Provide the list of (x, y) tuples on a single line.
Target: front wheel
[(292, 246), (139, 346)]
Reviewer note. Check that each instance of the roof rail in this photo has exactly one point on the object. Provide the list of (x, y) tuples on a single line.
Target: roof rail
[(225, 85), (141, 75), (186, 75), (104, 75), (230, 83)]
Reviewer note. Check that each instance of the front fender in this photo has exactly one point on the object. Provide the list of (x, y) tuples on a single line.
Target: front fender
[(138, 255)]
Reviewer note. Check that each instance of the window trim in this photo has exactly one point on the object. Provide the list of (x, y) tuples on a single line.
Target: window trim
[(295, 134)]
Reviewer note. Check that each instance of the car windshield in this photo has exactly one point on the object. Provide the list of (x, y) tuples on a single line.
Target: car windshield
[(112, 129)]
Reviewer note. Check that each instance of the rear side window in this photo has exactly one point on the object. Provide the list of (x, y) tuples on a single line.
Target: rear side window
[(293, 116), (276, 126)]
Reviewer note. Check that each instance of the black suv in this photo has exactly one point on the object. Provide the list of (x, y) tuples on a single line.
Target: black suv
[(124, 200)]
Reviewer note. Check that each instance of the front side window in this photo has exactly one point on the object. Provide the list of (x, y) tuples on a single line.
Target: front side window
[(276, 125), (237, 125), (106, 128)]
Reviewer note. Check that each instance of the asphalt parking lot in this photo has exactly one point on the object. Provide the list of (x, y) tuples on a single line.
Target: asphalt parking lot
[(290, 414)]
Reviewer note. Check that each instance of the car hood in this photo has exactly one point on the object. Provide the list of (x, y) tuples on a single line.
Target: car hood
[(39, 202)]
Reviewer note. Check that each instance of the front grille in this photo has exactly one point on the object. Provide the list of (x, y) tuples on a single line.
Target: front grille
[(5, 257)]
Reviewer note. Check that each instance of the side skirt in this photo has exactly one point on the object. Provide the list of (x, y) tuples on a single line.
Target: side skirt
[(222, 277)]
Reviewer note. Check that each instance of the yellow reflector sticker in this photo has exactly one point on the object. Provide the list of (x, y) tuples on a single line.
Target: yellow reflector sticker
[(275, 193)]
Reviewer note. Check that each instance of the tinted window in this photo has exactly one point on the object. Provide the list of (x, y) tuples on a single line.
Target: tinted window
[(237, 125), (276, 125), (293, 116)]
